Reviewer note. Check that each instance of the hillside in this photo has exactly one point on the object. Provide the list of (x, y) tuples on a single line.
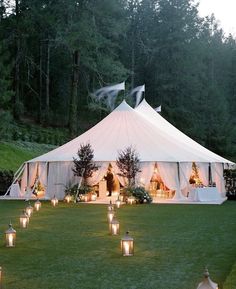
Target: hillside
[(13, 154)]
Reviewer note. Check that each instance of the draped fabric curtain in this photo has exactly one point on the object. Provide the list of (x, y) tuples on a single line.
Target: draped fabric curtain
[(143, 178), (43, 174), (185, 170), (169, 175), (58, 173), (203, 171), (99, 174), (218, 177), (23, 185), (116, 170), (33, 168)]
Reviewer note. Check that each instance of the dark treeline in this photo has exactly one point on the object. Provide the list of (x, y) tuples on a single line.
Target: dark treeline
[(53, 54)]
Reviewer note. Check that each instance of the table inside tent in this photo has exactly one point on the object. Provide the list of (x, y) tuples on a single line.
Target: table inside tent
[(205, 194)]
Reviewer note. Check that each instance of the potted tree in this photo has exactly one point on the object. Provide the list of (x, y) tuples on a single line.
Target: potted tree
[(128, 163), (84, 168)]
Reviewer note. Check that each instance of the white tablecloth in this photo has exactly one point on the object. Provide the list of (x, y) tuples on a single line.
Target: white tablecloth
[(206, 194)]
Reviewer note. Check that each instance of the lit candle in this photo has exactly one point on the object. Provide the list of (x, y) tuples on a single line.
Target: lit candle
[(126, 248), (37, 205), (114, 229), (10, 240)]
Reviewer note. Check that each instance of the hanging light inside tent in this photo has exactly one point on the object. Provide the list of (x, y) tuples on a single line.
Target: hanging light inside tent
[(24, 220), (207, 283), (10, 237), (29, 210), (114, 227), (37, 205), (54, 201), (127, 245)]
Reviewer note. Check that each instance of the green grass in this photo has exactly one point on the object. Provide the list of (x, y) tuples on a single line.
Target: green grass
[(13, 154), (69, 247), (230, 282)]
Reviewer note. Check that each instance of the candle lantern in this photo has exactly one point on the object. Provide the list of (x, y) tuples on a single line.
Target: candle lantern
[(110, 215), (114, 227), (127, 245), (68, 198), (207, 283), (24, 220), (118, 203), (29, 210), (37, 205), (54, 201), (110, 207), (131, 200), (10, 237)]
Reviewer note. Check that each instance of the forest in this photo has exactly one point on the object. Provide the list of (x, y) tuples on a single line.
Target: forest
[(55, 54)]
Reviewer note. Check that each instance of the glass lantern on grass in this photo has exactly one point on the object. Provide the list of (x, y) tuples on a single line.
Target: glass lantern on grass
[(110, 207), (68, 198), (110, 216), (29, 210), (207, 283), (10, 237), (127, 245), (24, 220), (114, 227), (131, 200), (54, 201), (118, 203), (37, 205)]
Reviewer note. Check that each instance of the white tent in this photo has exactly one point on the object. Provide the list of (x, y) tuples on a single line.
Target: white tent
[(155, 140)]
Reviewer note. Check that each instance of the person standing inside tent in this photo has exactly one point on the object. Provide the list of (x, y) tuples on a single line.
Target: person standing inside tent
[(110, 181)]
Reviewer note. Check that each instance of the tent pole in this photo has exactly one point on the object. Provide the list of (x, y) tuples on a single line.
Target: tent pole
[(16, 176)]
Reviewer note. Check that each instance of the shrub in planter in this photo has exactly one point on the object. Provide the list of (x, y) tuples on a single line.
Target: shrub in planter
[(140, 194)]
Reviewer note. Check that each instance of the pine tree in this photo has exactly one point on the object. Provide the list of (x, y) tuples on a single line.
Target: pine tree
[(128, 163), (84, 165)]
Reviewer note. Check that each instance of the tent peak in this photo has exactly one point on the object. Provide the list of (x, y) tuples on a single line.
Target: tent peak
[(123, 106)]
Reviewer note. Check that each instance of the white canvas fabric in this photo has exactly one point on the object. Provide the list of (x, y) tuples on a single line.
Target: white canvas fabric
[(144, 177), (185, 173), (33, 169), (203, 171), (23, 185), (154, 139), (218, 178), (162, 124), (169, 175), (124, 127), (99, 174)]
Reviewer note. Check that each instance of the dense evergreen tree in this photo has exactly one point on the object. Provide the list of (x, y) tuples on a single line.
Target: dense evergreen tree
[(53, 54)]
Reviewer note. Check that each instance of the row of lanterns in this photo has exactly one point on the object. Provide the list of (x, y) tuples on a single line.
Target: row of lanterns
[(10, 234), (127, 242)]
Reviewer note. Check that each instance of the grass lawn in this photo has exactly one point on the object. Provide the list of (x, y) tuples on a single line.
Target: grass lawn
[(13, 154), (68, 247)]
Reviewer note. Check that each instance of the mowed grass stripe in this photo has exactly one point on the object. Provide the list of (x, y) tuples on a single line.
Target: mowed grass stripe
[(69, 246)]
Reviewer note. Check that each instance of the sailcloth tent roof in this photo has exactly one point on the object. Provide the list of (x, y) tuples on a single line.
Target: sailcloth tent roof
[(161, 123), (124, 127)]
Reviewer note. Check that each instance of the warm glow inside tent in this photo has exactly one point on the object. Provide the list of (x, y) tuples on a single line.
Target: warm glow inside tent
[(160, 146)]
